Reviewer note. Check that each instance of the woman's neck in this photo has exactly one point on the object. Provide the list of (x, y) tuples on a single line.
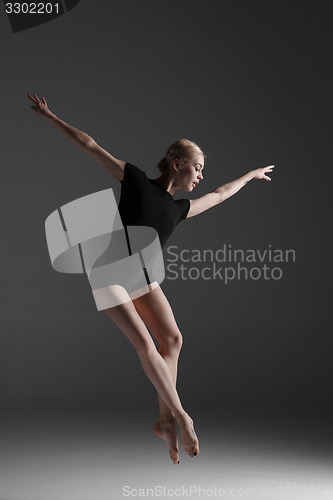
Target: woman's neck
[(166, 180)]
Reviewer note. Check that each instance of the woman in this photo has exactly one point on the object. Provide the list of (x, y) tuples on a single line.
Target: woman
[(149, 202)]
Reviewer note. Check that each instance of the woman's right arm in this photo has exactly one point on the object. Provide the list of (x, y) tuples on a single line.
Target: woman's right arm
[(112, 165)]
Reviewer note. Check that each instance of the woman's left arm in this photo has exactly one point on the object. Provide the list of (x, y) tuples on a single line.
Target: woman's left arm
[(226, 190)]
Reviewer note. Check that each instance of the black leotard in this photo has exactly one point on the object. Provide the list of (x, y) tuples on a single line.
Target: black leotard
[(144, 202)]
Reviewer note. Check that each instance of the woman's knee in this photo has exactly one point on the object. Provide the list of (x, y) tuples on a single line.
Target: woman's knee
[(172, 341)]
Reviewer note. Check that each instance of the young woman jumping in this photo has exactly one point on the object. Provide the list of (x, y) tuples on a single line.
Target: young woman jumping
[(150, 202)]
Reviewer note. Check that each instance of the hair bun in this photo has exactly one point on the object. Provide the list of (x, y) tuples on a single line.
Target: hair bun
[(162, 164)]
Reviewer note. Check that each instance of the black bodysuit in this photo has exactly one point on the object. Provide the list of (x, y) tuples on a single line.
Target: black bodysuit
[(144, 202)]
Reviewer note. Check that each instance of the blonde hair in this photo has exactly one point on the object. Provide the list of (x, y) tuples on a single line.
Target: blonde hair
[(183, 149)]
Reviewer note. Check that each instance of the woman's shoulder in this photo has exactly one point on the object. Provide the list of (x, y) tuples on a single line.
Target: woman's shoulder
[(132, 172)]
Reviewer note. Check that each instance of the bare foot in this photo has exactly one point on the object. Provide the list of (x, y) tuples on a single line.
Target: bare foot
[(165, 428), (188, 437)]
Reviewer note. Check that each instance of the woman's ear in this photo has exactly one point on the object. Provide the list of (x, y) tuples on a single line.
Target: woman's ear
[(176, 164)]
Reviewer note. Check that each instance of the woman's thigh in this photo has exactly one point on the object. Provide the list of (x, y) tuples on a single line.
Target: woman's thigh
[(126, 317), (156, 312)]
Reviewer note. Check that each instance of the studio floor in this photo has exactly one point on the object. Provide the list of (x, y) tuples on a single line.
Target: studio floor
[(58, 453)]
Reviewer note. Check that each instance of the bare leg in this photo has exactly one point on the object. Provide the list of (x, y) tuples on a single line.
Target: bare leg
[(126, 317), (157, 314), (170, 356)]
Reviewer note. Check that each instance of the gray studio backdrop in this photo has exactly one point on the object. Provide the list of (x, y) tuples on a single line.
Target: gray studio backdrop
[(248, 81)]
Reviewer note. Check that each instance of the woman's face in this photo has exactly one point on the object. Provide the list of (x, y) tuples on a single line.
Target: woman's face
[(188, 177)]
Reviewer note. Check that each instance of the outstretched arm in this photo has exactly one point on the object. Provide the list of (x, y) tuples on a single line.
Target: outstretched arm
[(226, 190), (112, 165)]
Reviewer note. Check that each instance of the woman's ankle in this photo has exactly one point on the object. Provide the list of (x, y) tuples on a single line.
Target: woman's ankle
[(181, 416), (166, 417)]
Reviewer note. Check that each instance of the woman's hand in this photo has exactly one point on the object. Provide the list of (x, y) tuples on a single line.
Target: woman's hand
[(260, 173), (40, 107)]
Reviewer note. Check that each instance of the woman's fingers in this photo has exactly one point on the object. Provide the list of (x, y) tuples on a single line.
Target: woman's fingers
[(267, 169), (36, 99), (32, 98), (38, 103)]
